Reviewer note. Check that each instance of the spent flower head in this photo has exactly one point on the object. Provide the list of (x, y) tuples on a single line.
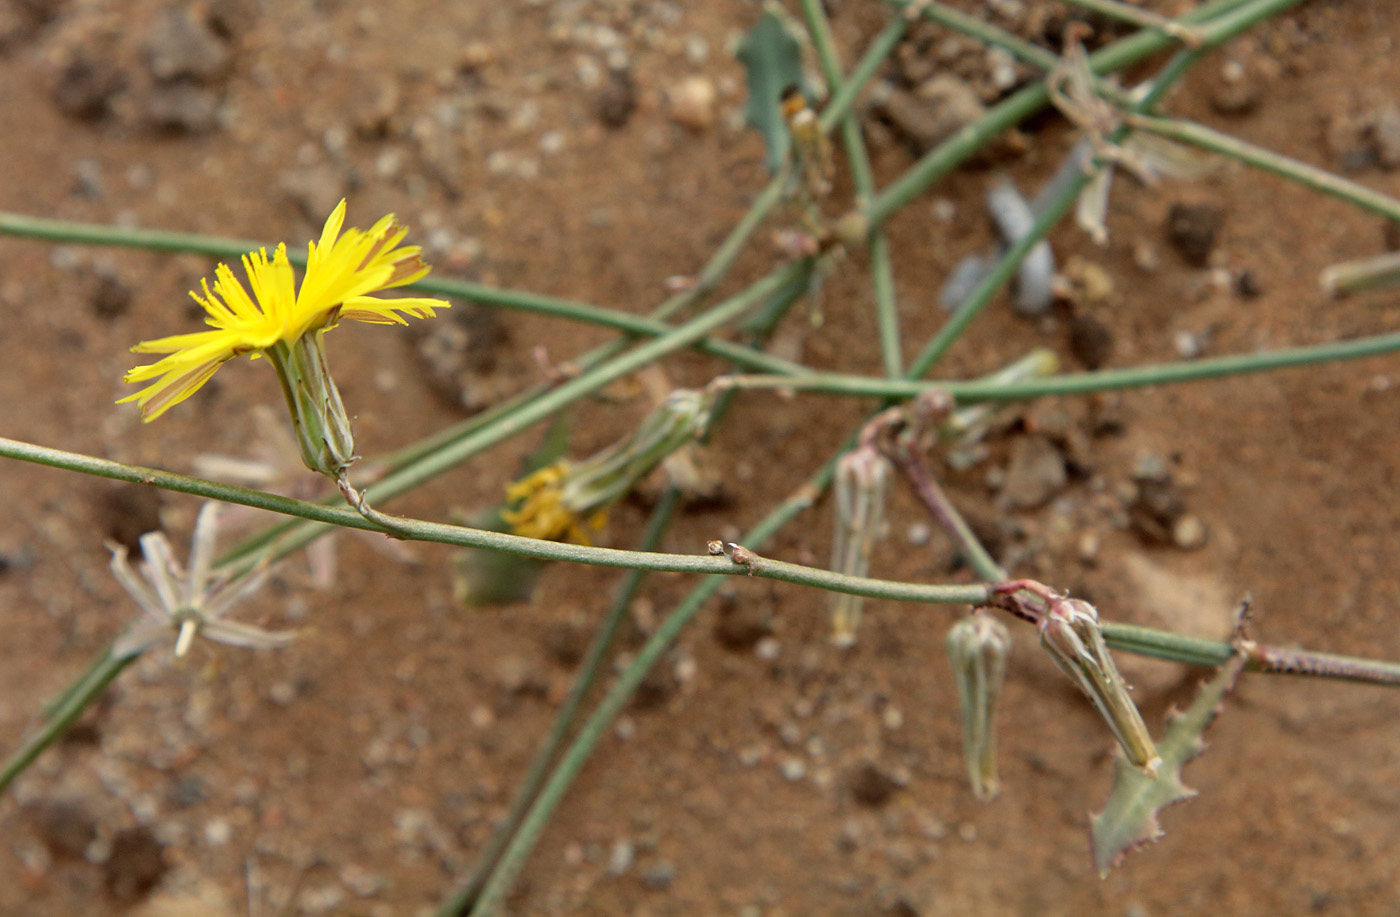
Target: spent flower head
[(179, 604)]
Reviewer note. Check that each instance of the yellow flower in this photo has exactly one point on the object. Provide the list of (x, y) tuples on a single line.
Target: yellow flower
[(342, 271), (544, 512)]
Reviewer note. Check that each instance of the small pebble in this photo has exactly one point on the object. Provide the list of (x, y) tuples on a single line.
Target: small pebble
[(1090, 341), (793, 770), (692, 103), (1188, 347), (1189, 532), (659, 876), (624, 854)]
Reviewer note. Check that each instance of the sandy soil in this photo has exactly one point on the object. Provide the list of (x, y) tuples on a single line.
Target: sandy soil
[(360, 771)]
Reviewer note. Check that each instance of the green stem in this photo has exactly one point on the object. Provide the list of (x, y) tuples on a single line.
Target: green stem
[(988, 34), (1132, 15), (588, 673), (863, 179), (493, 895), (843, 99), (69, 707), (442, 533), (1269, 161), (1012, 111), (977, 390), (94, 234)]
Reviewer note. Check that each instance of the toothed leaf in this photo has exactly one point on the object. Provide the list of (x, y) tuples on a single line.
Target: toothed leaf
[(772, 57), (1129, 820)]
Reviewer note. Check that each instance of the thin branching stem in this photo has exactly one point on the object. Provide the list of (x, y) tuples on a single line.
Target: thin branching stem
[(494, 894), (1105, 380), (1306, 175), (70, 706), (592, 664), (1012, 111), (461, 536), (863, 178)]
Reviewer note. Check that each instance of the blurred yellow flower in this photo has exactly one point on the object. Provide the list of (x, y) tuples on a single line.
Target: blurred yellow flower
[(342, 271), (543, 509)]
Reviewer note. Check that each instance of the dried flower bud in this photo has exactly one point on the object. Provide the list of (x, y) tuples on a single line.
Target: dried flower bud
[(1070, 632), (862, 479), (977, 648)]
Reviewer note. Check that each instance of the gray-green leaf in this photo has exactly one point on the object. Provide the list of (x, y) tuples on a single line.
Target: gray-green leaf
[(1129, 820), (772, 56)]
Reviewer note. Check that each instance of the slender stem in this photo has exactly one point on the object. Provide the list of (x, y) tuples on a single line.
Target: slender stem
[(988, 34), (442, 533), (917, 473), (96, 234), (71, 705), (863, 179), (1267, 160), (977, 390), (493, 895), (1268, 660), (588, 673), (949, 155), (843, 99), (1114, 9)]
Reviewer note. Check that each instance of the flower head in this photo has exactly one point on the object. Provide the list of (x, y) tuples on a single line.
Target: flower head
[(179, 604), (565, 501), (342, 271)]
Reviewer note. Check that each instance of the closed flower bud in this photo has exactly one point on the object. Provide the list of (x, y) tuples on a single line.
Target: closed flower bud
[(977, 649), (1070, 632), (862, 480)]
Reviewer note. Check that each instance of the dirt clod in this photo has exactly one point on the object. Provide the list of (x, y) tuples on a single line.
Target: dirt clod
[(127, 512), (872, 786), (1192, 230), (617, 100), (86, 85), (136, 864), (1090, 341), (66, 826)]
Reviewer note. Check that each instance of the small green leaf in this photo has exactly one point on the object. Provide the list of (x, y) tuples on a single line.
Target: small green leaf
[(771, 53), (1129, 820)]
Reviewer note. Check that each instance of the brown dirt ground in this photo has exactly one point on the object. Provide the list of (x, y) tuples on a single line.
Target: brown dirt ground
[(359, 771)]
